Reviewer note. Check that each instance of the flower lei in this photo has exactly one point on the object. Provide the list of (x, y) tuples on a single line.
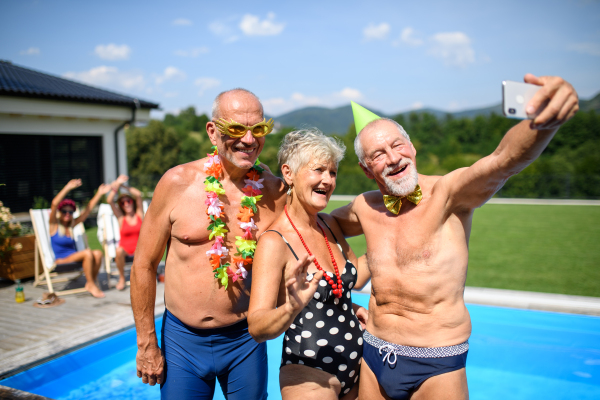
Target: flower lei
[(245, 245)]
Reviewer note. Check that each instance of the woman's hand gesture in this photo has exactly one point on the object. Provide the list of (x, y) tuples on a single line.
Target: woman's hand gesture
[(299, 291), (122, 179), (73, 183), (103, 189)]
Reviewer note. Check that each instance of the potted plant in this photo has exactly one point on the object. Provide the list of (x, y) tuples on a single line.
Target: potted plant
[(17, 252)]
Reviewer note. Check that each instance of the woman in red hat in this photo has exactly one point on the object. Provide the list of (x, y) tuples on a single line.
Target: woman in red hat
[(61, 225), (129, 211)]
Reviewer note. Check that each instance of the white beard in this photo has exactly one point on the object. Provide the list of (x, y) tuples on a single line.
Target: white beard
[(404, 186), (231, 158)]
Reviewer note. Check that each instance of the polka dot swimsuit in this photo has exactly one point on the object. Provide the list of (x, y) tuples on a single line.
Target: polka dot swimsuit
[(326, 334)]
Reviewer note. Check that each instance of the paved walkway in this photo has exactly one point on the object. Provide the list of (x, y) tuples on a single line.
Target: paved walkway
[(533, 301)]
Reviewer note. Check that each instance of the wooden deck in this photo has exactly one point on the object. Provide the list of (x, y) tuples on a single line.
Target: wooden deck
[(30, 335)]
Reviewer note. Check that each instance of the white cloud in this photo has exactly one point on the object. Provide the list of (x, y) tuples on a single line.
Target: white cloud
[(453, 106), (350, 94), (206, 83), (303, 100), (376, 32), (112, 51), (182, 22), (223, 30), (281, 105), (219, 28), (417, 105), (251, 25), (171, 74), (454, 48), (32, 51), (109, 77), (592, 49), (408, 37), (274, 102), (171, 94), (194, 52)]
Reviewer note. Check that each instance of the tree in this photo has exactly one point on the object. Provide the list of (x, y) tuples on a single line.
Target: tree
[(569, 167), (151, 151)]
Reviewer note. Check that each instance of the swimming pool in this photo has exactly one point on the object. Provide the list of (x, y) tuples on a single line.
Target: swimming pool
[(514, 354)]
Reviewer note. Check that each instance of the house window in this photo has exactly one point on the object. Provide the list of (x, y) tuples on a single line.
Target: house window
[(40, 166)]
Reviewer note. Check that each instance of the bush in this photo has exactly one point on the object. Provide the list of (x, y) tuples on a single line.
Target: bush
[(8, 229)]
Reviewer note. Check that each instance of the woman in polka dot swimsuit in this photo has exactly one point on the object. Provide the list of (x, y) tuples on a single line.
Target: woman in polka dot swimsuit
[(322, 345), (326, 334)]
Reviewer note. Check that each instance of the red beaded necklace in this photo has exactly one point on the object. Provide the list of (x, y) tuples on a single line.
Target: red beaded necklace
[(337, 288)]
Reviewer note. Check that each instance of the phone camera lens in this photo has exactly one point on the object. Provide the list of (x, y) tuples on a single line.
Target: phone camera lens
[(512, 111)]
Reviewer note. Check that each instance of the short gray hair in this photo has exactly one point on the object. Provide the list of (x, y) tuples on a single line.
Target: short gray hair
[(298, 148), (358, 145), (217, 103)]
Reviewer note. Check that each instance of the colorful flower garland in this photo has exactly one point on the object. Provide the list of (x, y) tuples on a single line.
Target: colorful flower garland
[(245, 245)]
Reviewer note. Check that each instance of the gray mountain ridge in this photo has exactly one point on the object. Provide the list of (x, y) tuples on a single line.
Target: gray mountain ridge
[(338, 120)]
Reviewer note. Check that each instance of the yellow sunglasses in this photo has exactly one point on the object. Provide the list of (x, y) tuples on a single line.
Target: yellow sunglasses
[(237, 130)]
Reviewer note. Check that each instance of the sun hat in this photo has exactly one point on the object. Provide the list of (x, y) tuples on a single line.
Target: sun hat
[(66, 203), (123, 195)]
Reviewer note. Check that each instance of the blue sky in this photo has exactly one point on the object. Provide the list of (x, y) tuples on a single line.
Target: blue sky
[(388, 55)]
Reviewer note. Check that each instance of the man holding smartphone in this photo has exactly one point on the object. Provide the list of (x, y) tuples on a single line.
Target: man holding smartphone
[(416, 340)]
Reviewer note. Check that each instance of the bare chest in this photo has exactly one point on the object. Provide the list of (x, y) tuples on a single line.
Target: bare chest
[(191, 223), (417, 242)]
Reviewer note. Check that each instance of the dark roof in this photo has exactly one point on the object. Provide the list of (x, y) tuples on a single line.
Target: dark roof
[(25, 82)]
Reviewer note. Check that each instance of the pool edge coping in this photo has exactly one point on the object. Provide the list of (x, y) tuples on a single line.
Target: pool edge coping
[(563, 303), (7, 392)]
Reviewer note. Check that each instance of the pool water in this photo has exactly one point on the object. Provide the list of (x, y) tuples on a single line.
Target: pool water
[(514, 354)]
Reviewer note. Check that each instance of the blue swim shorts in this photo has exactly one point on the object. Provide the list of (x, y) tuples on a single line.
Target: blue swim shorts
[(400, 370), (195, 358)]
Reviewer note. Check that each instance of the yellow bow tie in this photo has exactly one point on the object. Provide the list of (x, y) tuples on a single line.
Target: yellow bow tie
[(393, 203)]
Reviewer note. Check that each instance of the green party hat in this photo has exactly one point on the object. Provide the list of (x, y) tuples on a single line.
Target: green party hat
[(362, 116)]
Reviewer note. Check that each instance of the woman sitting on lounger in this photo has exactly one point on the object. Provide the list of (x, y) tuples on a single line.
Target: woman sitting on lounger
[(61, 225), (130, 212), (309, 298)]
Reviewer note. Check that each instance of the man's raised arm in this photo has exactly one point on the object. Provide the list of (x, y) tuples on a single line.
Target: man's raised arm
[(347, 218), (154, 235), (471, 187)]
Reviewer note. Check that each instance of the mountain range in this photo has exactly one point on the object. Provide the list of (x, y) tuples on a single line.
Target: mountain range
[(337, 120)]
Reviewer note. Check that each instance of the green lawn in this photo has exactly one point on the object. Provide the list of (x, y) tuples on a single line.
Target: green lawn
[(552, 249), (93, 239), (538, 248)]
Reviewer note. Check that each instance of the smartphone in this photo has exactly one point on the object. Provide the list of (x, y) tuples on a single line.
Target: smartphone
[(515, 97)]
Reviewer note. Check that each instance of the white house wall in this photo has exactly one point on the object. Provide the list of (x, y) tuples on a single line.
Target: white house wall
[(122, 152), (56, 108)]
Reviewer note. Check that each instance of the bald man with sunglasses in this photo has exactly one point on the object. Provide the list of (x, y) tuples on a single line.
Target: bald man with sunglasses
[(204, 333)]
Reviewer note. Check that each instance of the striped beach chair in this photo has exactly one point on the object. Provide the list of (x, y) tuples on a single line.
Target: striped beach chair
[(109, 235), (46, 270)]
